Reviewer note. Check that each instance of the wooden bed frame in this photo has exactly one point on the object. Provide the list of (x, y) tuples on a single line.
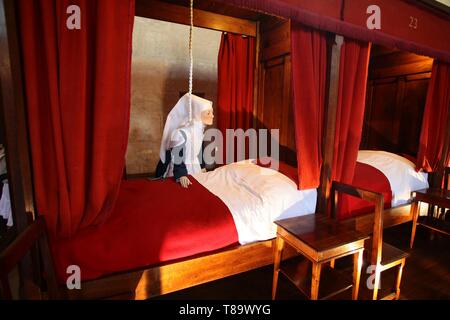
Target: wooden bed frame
[(173, 276), (273, 57)]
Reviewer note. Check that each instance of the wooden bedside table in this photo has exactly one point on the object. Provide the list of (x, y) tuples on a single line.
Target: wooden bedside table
[(321, 240), (432, 196)]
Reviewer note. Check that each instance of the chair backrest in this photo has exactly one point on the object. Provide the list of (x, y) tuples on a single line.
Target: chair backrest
[(371, 196), (34, 234)]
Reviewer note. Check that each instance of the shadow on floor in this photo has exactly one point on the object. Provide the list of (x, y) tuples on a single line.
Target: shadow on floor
[(426, 275)]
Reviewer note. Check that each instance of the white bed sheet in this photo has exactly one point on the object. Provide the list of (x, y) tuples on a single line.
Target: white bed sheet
[(400, 172), (256, 197)]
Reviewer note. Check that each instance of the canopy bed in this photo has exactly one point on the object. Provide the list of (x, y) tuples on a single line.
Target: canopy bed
[(90, 161)]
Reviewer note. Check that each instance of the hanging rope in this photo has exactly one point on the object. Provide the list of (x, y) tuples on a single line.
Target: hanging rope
[(191, 58)]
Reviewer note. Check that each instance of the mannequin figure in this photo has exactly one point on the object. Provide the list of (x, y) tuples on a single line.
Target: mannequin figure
[(181, 145)]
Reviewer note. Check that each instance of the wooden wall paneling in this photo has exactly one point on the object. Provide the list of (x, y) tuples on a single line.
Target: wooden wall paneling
[(179, 14), (276, 103), (381, 122), (16, 136), (287, 102), (397, 89), (412, 114), (367, 115), (398, 113), (402, 69), (277, 41), (291, 144), (258, 121), (393, 63), (273, 93), (330, 123), (275, 96)]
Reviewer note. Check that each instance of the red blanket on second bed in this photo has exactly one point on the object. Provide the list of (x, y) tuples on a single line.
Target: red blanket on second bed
[(153, 222), (366, 177)]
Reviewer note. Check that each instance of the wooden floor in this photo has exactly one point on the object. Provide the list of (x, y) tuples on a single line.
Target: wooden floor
[(426, 275)]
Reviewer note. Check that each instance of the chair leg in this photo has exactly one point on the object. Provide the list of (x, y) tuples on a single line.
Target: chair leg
[(376, 284), (279, 245), (415, 216), (399, 279), (357, 266)]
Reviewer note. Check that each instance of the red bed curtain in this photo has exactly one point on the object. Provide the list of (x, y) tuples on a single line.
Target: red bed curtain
[(236, 65), (353, 72), (77, 84), (309, 64), (434, 124)]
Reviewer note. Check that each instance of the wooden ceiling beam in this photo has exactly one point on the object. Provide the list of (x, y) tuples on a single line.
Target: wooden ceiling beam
[(203, 19)]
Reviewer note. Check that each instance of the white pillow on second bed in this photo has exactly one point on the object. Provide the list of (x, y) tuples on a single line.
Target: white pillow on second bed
[(400, 172)]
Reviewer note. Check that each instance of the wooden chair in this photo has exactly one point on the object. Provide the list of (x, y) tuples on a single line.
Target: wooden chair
[(382, 256), (434, 210), (35, 234)]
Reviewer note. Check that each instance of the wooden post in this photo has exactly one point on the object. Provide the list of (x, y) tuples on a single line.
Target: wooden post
[(330, 124), (15, 130), (256, 76)]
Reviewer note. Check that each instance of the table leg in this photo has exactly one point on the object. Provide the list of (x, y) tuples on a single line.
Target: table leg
[(315, 280), (279, 245), (357, 266), (399, 279), (415, 216)]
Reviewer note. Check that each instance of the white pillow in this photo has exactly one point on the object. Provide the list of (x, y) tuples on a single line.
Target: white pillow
[(400, 172)]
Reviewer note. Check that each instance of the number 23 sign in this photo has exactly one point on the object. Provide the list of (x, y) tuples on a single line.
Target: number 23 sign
[(374, 19)]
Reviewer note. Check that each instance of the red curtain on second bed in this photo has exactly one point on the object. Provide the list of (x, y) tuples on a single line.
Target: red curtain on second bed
[(434, 124), (353, 72), (236, 65), (77, 83), (309, 67)]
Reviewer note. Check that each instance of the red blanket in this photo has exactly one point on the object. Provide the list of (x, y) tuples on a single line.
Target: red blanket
[(366, 177), (158, 221), (153, 222)]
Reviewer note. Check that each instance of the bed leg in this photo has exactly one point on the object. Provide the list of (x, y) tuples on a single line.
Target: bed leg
[(279, 245)]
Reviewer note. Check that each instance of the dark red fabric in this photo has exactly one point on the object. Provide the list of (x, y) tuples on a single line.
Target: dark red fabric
[(434, 123), (152, 222), (236, 65), (369, 178), (309, 64), (77, 85), (353, 72)]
